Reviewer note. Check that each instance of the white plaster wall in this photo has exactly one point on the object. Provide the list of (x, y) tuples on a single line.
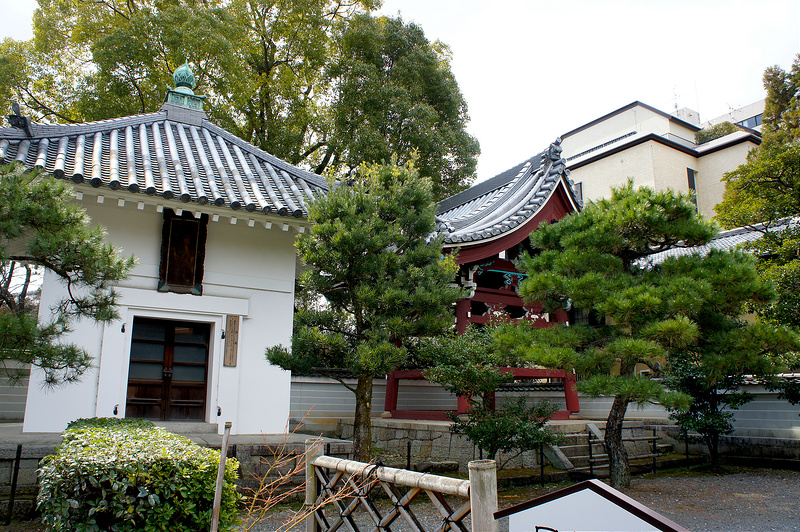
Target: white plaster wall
[(711, 168), (650, 164), (607, 130), (678, 129), (49, 409), (249, 271), (670, 168), (737, 115), (613, 171)]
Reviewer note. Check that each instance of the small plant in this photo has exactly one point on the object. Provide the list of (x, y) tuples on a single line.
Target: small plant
[(468, 365), (129, 475), (516, 427)]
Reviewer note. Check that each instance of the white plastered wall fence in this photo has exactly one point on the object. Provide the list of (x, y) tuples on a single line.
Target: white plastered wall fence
[(249, 272)]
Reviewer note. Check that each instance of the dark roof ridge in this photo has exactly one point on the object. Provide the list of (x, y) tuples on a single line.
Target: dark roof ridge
[(529, 173), (490, 184), (612, 495), (41, 131), (624, 108), (81, 128)]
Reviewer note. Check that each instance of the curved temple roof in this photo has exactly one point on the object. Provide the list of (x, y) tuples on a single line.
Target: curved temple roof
[(505, 202), (724, 240), (173, 153)]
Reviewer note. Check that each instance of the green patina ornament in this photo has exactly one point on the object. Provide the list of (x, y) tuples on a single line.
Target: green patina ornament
[(184, 79), (183, 94)]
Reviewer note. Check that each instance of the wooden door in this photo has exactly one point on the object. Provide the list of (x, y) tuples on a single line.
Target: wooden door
[(168, 373)]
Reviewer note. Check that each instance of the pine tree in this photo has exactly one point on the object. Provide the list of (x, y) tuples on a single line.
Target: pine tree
[(683, 310), (375, 264), (42, 227)]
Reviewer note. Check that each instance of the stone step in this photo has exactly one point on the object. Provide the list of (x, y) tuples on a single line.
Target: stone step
[(578, 450)]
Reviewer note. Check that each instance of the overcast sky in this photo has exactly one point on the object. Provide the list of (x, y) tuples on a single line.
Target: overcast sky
[(532, 70)]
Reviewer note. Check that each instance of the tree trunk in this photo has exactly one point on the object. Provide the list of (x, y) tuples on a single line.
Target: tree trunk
[(712, 435), (362, 422), (712, 440), (619, 469)]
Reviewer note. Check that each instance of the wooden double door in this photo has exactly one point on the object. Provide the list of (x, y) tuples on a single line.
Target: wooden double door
[(168, 372)]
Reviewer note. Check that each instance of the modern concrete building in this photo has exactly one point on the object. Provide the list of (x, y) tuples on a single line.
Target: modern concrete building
[(655, 149)]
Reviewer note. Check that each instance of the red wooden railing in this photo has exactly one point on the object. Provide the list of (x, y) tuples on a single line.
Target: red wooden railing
[(392, 390)]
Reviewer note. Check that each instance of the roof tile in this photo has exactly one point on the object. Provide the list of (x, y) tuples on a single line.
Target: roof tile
[(158, 154)]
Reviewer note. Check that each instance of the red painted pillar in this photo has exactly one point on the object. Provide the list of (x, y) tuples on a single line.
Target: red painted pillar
[(463, 405), (559, 316), (571, 392), (391, 392), (462, 315)]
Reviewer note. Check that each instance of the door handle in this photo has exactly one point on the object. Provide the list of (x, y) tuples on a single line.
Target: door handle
[(167, 372)]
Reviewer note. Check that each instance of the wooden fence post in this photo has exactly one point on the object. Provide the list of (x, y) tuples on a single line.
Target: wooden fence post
[(223, 458), (313, 450), (483, 495)]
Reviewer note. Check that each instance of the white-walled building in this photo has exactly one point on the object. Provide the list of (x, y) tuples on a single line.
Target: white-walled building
[(211, 221), (749, 116), (655, 149)]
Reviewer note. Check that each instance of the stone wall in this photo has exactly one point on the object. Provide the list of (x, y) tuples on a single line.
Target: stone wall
[(27, 482), (432, 441)]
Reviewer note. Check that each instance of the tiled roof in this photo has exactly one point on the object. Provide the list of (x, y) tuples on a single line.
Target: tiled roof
[(505, 202), (174, 153), (724, 240)]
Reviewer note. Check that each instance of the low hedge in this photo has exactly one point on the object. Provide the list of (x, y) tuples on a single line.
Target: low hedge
[(126, 475)]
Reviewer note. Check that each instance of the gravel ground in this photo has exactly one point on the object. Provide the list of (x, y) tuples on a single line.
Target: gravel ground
[(737, 500), (741, 501)]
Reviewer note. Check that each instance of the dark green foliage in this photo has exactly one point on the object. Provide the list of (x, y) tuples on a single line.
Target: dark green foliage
[(41, 226), (106, 423), (714, 132), (396, 94), (465, 364), (128, 475), (789, 390), (372, 256), (710, 413)]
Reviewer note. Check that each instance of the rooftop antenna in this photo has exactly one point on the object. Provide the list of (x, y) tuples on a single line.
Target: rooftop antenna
[(675, 96)]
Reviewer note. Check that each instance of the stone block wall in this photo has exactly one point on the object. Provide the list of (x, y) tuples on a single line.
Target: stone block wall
[(27, 481)]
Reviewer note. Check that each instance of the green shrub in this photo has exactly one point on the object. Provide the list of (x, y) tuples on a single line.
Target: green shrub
[(126, 475), (714, 132)]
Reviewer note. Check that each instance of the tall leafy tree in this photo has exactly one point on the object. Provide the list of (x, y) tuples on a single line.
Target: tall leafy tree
[(395, 93), (765, 190), (373, 259), (684, 310), (729, 349), (40, 226), (280, 74)]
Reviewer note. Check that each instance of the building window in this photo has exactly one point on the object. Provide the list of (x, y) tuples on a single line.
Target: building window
[(183, 250), (753, 121), (691, 174)]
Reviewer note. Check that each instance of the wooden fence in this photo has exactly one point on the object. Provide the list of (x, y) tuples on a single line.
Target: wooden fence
[(345, 493)]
